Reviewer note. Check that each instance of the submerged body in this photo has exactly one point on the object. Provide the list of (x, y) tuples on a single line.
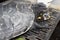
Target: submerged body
[(16, 18)]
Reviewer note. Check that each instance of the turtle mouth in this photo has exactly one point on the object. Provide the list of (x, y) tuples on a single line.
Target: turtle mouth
[(1, 1)]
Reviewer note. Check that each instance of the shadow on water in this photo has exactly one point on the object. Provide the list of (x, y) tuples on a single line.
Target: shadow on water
[(56, 33), (2, 1)]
